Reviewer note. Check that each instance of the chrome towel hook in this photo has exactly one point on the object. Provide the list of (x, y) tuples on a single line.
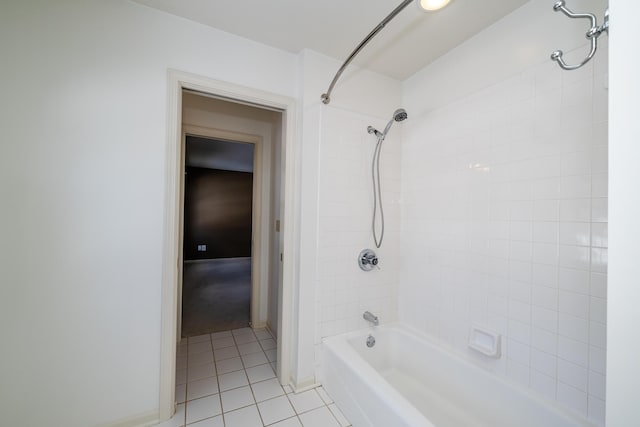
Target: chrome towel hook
[(594, 32)]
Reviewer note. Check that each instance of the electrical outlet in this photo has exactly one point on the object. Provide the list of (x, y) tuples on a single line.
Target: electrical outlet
[(202, 248)]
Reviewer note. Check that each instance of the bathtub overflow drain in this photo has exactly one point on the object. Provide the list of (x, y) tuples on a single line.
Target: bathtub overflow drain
[(371, 341)]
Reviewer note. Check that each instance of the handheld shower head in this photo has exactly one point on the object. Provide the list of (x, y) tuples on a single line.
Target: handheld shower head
[(400, 114)]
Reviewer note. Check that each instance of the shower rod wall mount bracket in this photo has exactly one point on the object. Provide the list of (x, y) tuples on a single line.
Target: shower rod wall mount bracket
[(594, 32)]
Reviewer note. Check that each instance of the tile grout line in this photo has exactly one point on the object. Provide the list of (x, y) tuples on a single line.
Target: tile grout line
[(251, 388), (249, 384), (255, 403), (215, 367)]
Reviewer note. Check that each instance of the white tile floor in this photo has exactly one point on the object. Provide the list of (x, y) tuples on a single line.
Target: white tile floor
[(227, 379)]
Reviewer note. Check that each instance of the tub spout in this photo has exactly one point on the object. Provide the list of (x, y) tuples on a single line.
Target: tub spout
[(370, 317)]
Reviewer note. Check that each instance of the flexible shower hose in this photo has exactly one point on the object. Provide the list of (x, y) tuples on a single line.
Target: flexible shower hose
[(377, 193)]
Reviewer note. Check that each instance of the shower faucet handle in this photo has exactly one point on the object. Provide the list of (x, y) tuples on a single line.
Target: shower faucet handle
[(368, 260)]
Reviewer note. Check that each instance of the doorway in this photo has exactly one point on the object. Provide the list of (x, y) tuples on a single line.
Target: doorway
[(278, 313), (217, 235), (240, 132)]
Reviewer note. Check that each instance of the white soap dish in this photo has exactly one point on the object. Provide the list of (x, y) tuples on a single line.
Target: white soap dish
[(485, 341)]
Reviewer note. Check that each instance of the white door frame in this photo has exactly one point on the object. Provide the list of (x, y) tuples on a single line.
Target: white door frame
[(259, 221), (177, 81)]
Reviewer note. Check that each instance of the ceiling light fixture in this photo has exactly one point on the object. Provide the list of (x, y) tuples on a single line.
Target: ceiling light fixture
[(431, 5)]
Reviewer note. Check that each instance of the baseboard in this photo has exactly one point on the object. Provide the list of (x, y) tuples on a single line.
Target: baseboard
[(307, 384), (260, 325), (268, 328), (196, 261), (141, 420)]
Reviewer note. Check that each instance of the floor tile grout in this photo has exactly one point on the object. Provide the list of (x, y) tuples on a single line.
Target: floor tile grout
[(183, 353)]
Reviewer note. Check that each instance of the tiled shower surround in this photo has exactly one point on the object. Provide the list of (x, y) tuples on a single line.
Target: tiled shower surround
[(496, 215), (504, 225), (344, 291)]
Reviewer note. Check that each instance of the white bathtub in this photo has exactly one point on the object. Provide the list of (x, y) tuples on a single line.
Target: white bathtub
[(407, 381)]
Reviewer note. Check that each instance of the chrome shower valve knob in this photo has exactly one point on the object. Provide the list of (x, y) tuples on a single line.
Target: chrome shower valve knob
[(368, 260)]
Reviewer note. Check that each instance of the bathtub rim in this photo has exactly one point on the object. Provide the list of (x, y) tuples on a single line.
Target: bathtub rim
[(373, 378), (341, 349)]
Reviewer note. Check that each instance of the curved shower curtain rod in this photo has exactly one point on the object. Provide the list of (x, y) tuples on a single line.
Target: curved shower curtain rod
[(326, 97), (594, 32)]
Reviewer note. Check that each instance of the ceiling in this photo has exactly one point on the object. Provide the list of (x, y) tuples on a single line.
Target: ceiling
[(409, 42)]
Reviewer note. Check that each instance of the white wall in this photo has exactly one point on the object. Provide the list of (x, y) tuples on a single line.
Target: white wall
[(344, 291), (500, 51), (623, 346), (337, 209), (504, 195), (83, 116), (81, 162)]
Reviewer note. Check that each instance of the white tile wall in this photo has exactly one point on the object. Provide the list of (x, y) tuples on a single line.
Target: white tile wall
[(344, 291), (504, 224)]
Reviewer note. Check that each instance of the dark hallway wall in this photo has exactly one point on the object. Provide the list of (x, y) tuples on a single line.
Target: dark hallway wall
[(217, 213)]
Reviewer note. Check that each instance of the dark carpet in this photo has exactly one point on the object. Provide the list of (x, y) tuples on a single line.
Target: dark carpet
[(216, 295)]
